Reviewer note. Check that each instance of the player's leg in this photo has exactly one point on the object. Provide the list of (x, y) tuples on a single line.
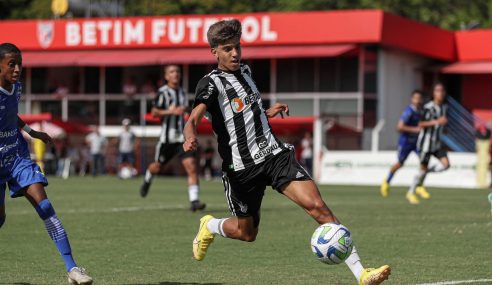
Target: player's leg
[(153, 168), (244, 198), (307, 196), (36, 195), (190, 166), (418, 180), (444, 162), (2, 204)]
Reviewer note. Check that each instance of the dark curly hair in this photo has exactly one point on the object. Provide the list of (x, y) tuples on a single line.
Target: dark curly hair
[(6, 48)]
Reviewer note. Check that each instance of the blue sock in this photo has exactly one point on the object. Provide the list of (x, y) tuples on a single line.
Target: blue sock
[(56, 231), (390, 176), (2, 221)]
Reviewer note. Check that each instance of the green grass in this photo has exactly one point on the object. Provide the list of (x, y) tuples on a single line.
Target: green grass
[(123, 239)]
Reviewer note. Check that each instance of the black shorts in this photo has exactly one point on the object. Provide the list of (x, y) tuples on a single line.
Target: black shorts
[(164, 152), (426, 156), (244, 189)]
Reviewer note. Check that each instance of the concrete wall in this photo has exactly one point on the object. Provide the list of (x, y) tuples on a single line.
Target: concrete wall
[(399, 73)]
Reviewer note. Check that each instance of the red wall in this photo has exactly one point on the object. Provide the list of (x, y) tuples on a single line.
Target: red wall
[(477, 91)]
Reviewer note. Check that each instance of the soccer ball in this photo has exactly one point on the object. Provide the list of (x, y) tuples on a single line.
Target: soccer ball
[(331, 243)]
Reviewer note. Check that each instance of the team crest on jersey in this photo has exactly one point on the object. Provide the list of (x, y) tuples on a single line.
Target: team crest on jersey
[(46, 33), (237, 105)]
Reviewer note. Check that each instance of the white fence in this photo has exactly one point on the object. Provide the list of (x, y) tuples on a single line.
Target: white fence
[(371, 168)]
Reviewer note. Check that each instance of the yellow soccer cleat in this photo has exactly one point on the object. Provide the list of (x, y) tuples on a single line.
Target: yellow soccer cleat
[(372, 276), (385, 188), (422, 192), (413, 199), (203, 239)]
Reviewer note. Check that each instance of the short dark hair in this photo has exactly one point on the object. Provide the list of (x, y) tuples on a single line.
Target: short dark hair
[(224, 31), (6, 48), (417, 91)]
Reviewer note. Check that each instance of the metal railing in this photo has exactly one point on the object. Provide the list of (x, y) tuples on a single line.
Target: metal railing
[(460, 130)]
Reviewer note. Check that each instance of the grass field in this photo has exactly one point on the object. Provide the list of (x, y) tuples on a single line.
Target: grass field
[(123, 239)]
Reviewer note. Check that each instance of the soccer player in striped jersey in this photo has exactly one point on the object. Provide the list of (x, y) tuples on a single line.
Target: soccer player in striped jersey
[(253, 157), (434, 118), (17, 170), (170, 105), (409, 129)]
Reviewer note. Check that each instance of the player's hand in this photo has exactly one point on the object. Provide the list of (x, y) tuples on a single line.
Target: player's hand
[(190, 144), (442, 121), (177, 111), (278, 108), (41, 136)]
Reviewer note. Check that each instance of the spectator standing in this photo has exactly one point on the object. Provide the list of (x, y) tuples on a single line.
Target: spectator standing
[(97, 143)]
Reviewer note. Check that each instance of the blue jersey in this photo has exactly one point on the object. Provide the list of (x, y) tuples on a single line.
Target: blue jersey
[(409, 117), (12, 144)]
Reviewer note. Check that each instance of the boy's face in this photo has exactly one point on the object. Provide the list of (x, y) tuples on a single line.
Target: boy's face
[(439, 93), (172, 74), (417, 100), (228, 55), (11, 67)]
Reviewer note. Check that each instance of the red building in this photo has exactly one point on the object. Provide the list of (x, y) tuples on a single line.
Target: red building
[(354, 67)]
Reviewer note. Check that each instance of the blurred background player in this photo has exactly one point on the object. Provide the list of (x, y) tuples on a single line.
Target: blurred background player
[(253, 157), (429, 142), (170, 105), (409, 129), (22, 175), (307, 152), (208, 156)]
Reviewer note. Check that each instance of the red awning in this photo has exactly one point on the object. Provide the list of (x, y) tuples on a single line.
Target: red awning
[(475, 67), (170, 55), (285, 126), (68, 127)]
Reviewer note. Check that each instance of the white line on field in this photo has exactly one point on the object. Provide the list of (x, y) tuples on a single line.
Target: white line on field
[(457, 282), (116, 210)]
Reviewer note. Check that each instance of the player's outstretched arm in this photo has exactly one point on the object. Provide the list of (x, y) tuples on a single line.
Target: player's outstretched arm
[(277, 108), (33, 133), (189, 131)]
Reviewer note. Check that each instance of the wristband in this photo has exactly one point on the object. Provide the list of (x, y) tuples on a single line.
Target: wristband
[(26, 128)]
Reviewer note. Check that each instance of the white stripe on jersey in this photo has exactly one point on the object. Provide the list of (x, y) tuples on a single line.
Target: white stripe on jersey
[(228, 114), (172, 126), (429, 139)]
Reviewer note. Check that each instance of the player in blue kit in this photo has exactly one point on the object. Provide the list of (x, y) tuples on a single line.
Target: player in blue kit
[(409, 129), (17, 170)]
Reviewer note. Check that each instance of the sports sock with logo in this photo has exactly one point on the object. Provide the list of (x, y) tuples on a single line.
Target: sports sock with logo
[(56, 232)]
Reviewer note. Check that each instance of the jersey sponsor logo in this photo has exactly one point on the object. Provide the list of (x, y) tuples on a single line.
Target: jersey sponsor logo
[(265, 151), (239, 104), (45, 33), (8, 134), (262, 144)]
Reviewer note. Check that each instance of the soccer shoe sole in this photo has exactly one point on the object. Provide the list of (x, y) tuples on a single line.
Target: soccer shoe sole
[(73, 282), (379, 277), (196, 242)]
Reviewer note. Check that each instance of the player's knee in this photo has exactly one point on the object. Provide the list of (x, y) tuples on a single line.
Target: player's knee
[(45, 209), (2, 220), (249, 236), (154, 167)]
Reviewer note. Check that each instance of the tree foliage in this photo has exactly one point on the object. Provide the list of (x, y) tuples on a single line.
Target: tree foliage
[(448, 14)]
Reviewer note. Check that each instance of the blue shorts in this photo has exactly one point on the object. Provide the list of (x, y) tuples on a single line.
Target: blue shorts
[(405, 150), (21, 173)]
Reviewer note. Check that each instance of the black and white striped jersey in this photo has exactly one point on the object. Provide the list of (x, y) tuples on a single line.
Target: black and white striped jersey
[(172, 126), (238, 118), (430, 138)]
